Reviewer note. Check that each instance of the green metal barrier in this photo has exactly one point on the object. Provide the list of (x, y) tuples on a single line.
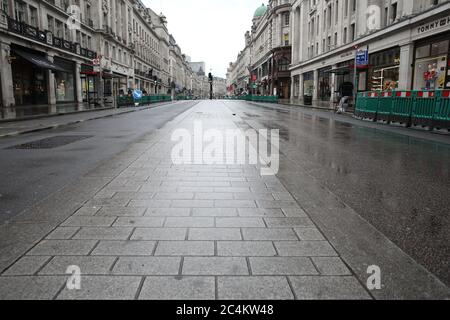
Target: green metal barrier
[(361, 104), (402, 106), (441, 118), (367, 105), (424, 107), (385, 104)]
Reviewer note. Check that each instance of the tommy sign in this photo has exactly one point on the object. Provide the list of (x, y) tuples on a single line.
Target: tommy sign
[(435, 25)]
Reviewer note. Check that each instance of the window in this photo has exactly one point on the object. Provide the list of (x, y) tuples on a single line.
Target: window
[(286, 18), (33, 17), (51, 24), (20, 11), (394, 12), (353, 30), (345, 36), (4, 5)]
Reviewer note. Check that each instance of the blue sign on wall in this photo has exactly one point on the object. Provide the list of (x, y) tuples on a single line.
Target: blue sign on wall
[(362, 58)]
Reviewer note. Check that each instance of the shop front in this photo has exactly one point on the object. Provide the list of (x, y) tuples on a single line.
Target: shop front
[(30, 76), (324, 91), (431, 65), (383, 71), (89, 90), (65, 81)]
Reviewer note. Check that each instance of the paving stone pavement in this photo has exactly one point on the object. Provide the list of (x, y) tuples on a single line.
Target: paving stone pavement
[(159, 230)]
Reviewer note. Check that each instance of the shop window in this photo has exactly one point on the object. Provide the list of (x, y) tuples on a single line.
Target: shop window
[(29, 83), (384, 70), (65, 81), (430, 73)]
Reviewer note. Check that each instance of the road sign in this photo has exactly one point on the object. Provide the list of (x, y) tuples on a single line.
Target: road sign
[(137, 94), (362, 57)]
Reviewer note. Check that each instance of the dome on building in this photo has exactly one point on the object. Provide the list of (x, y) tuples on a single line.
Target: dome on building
[(260, 11)]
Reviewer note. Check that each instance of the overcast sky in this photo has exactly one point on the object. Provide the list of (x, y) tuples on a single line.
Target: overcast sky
[(208, 30)]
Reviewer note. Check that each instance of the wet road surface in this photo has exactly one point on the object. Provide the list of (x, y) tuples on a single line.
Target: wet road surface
[(398, 183), (29, 176)]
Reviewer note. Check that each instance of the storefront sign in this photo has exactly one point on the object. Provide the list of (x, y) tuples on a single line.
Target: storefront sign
[(434, 26)]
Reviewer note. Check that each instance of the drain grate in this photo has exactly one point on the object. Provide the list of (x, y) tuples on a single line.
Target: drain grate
[(50, 143)]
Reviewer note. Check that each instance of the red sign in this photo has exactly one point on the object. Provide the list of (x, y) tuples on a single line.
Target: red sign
[(254, 77)]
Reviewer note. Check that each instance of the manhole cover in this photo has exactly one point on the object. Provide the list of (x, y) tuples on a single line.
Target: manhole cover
[(50, 143)]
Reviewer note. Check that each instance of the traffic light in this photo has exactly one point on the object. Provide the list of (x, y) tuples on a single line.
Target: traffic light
[(210, 76)]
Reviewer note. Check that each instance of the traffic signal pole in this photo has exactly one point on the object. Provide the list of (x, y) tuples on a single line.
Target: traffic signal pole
[(210, 78)]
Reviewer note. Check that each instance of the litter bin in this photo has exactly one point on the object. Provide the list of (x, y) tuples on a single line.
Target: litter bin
[(307, 100)]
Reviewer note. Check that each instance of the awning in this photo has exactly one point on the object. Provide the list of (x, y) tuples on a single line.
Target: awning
[(39, 61)]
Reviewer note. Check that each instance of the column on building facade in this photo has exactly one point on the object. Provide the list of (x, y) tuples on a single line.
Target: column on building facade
[(301, 89), (333, 86), (51, 88), (6, 82), (406, 70), (79, 93), (316, 85)]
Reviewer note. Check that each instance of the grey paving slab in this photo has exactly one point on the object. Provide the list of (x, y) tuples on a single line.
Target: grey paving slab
[(282, 196), (124, 248), (107, 202), (185, 248), (30, 288), (234, 204), (215, 234), (80, 221), (178, 288), (240, 222), (274, 204), (328, 288), (213, 196), (168, 212), (275, 234), (26, 266), (104, 288), (309, 234), (331, 266), (174, 196), (288, 222), (87, 264), (215, 266), (258, 212), (294, 212), (282, 266), (189, 222), (150, 203), (140, 222), (214, 212), (87, 211), (159, 234), (193, 203), (253, 196), (121, 212), (134, 195), (63, 233), (246, 249), (254, 288), (147, 266), (63, 248), (102, 233), (305, 248)]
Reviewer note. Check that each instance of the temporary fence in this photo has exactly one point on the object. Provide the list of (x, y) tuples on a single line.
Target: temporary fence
[(412, 108), (145, 100)]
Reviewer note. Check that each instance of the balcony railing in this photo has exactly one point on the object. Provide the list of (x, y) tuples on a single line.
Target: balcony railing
[(47, 37)]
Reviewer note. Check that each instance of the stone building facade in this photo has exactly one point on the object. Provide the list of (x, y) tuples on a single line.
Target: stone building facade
[(263, 66), (61, 56), (406, 43)]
